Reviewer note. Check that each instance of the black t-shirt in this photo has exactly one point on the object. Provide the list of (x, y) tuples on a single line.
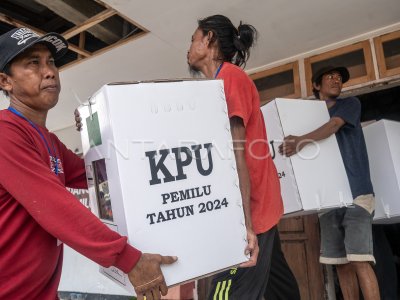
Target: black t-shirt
[(352, 146)]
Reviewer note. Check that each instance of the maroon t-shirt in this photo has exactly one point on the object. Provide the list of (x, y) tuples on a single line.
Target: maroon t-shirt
[(37, 212)]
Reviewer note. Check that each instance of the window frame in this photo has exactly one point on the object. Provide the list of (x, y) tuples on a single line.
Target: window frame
[(368, 61), (380, 55), (294, 66)]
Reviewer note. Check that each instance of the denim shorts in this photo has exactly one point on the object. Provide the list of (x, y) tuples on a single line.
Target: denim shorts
[(346, 232)]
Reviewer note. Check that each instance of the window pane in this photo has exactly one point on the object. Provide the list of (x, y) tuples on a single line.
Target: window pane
[(353, 61), (276, 85), (391, 51)]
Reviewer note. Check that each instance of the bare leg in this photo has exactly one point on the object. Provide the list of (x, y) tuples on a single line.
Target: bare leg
[(348, 281), (367, 280)]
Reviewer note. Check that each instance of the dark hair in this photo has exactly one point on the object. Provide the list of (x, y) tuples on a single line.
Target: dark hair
[(233, 43), (317, 81)]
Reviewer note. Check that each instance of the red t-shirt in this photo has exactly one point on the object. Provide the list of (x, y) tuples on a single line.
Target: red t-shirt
[(243, 101), (36, 211)]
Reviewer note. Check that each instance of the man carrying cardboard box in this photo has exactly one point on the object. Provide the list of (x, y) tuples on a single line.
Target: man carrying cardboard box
[(346, 233), (37, 213), (217, 50)]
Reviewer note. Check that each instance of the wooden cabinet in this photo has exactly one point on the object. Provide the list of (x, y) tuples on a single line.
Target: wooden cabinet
[(387, 49), (300, 243), (282, 81), (357, 58)]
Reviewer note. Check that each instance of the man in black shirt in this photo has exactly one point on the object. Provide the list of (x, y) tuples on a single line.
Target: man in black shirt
[(346, 234)]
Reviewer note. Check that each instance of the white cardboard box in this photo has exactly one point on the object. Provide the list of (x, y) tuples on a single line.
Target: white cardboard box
[(383, 145), (162, 171), (82, 275), (315, 178)]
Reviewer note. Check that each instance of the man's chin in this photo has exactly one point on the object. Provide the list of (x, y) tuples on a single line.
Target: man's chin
[(194, 72), (334, 94), (51, 102)]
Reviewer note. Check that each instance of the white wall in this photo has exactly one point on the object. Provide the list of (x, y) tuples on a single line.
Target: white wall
[(71, 138)]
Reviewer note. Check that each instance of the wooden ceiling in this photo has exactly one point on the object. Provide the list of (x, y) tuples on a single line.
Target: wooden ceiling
[(91, 27)]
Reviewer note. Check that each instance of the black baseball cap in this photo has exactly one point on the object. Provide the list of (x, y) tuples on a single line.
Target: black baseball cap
[(18, 40), (327, 69)]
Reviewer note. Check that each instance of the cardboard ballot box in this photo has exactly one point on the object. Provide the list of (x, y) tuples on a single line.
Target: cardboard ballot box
[(81, 275), (315, 178), (161, 170), (383, 145)]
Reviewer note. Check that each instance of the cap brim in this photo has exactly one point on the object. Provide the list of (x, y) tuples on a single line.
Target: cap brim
[(342, 70)]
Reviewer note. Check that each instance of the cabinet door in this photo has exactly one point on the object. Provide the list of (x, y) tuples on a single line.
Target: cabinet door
[(279, 82), (300, 244), (357, 58), (387, 49)]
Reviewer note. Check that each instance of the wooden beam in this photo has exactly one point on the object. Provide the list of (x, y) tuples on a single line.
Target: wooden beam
[(68, 9), (16, 23), (123, 17), (79, 50), (100, 17), (103, 50), (82, 40), (6, 19)]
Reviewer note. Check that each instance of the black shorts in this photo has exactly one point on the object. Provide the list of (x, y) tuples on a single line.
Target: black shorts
[(271, 277), (246, 283)]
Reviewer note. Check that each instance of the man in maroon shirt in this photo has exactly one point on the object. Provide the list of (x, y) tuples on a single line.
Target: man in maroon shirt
[(37, 213)]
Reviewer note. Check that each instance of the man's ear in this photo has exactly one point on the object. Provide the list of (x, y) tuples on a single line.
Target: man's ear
[(5, 82), (316, 86), (210, 36)]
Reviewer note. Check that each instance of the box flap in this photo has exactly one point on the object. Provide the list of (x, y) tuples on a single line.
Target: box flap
[(158, 81)]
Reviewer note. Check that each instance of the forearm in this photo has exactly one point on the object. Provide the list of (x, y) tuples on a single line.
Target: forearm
[(239, 141), (245, 188), (293, 144), (324, 131), (73, 224)]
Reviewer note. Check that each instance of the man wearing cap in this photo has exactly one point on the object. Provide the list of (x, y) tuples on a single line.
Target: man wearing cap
[(37, 213), (346, 233)]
